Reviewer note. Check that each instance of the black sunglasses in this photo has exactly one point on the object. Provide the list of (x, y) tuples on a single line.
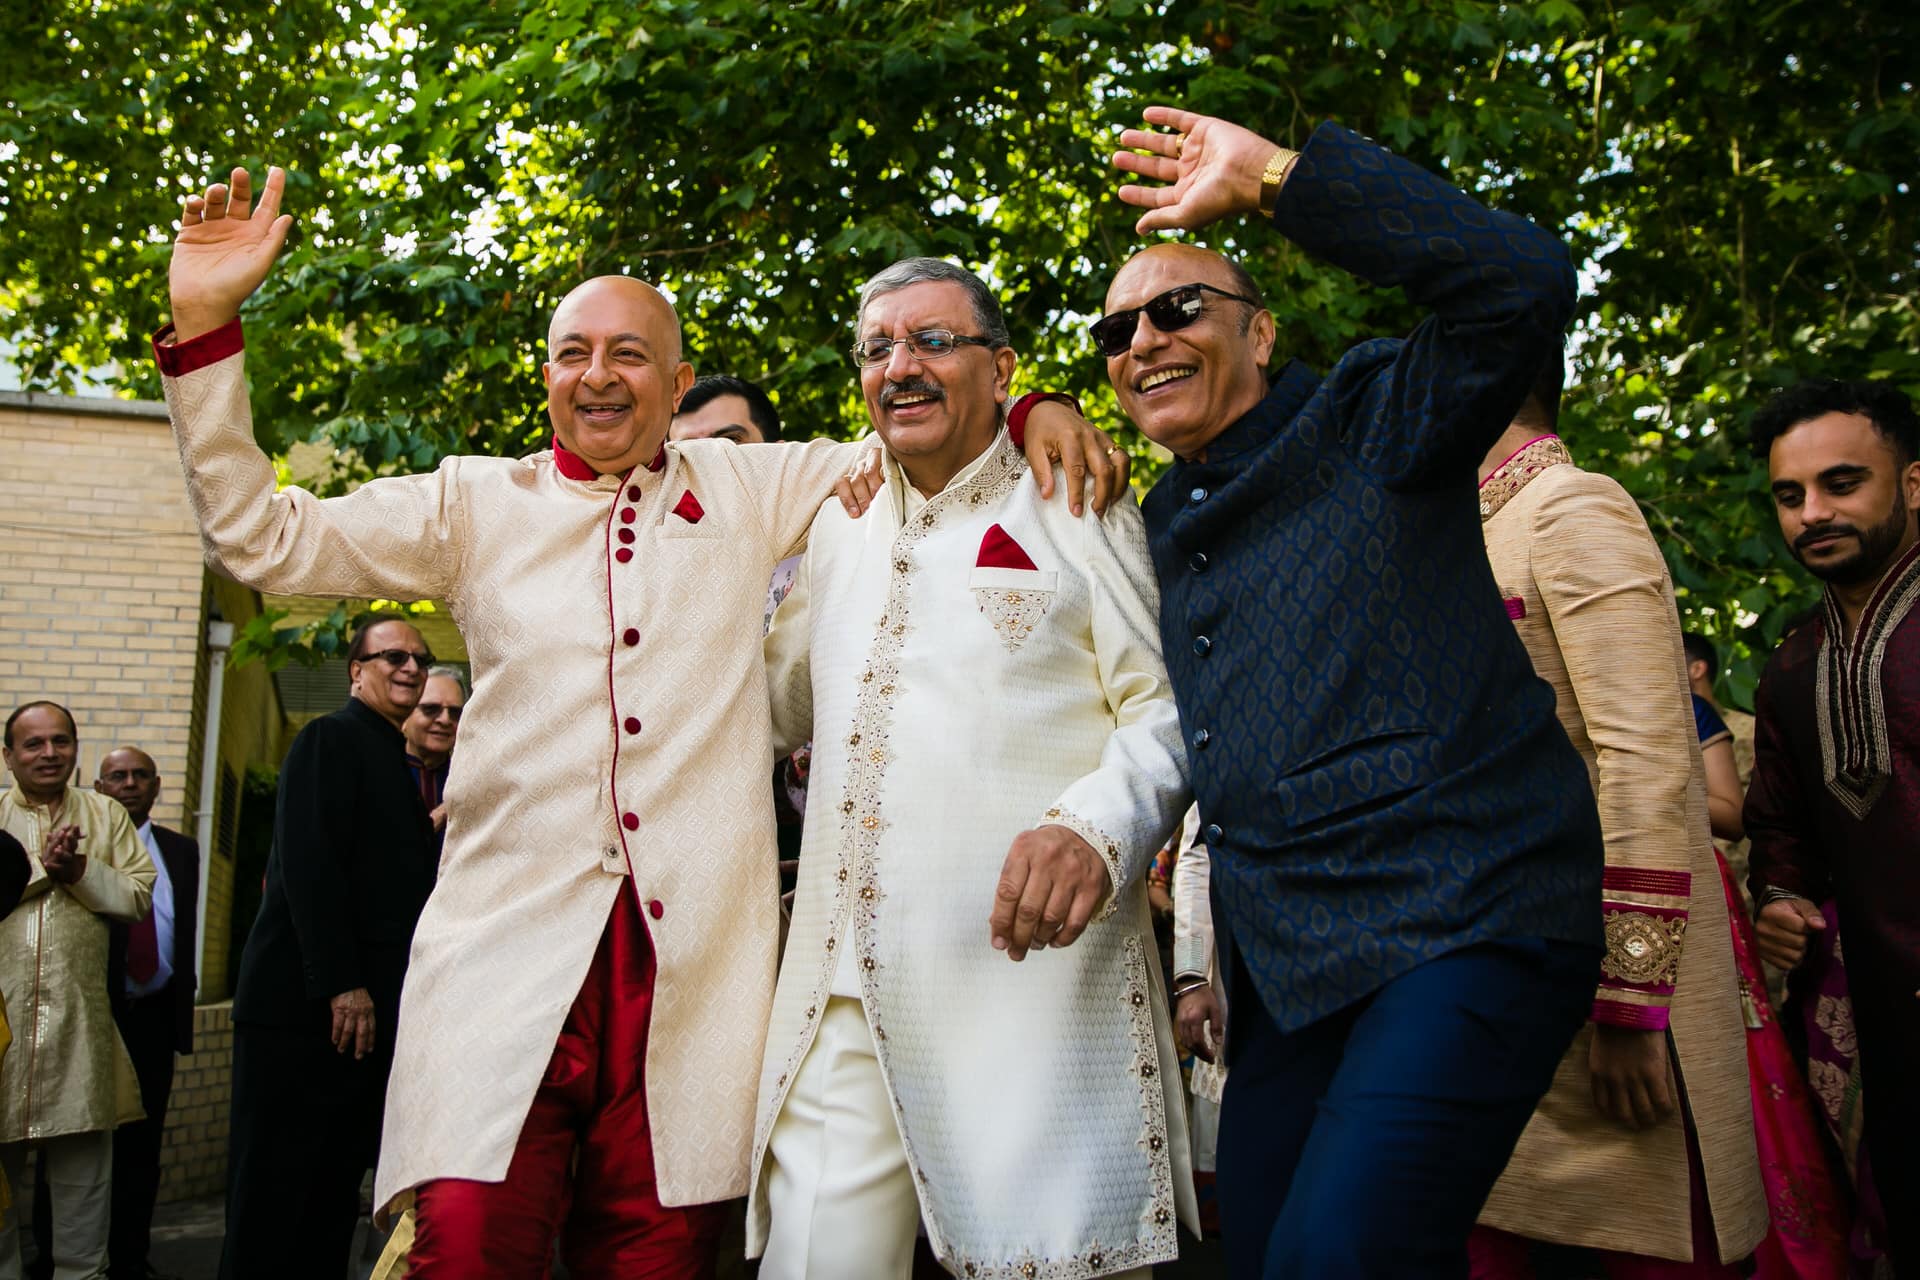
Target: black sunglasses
[(1175, 309), (399, 658), (434, 710)]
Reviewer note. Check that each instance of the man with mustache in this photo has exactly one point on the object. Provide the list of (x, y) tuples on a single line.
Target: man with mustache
[(1834, 806), (996, 760), (587, 993), (1404, 849)]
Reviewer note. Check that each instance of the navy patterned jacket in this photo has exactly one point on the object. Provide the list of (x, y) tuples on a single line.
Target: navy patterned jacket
[(1380, 773)]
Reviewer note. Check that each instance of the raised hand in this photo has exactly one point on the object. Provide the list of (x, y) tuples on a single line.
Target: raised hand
[(1214, 168), (224, 250)]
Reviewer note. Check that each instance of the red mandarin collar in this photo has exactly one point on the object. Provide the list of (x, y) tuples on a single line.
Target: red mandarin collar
[(574, 467)]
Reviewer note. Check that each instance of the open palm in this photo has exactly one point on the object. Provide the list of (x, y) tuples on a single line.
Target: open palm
[(1213, 165), (224, 250)]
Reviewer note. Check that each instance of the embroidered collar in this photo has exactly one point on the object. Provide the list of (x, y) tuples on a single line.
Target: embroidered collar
[(902, 488), (574, 467), (1505, 481), (1849, 700)]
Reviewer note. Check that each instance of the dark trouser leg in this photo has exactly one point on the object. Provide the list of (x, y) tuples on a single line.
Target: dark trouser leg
[(1889, 1028), (1274, 1083), (303, 1117), (146, 1027), (1439, 1072)]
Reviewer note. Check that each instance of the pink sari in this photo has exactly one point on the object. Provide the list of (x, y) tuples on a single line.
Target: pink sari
[(1808, 1236)]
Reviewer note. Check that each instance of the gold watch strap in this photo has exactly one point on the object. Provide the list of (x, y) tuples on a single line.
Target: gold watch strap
[(1273, 177)]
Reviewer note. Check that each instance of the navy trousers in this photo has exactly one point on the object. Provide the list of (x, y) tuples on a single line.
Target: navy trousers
[(1365, 1144)]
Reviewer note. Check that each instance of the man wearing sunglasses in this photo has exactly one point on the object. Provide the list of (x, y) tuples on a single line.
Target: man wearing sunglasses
[(996, 760), (1405, 850), (318, 1000), (430, 731)]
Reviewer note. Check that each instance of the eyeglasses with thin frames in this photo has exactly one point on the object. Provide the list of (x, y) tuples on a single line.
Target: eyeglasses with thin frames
[(434, 710), (1170, 312), (927, 344)]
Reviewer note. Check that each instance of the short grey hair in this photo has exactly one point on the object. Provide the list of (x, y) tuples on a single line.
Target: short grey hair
[(912, 271), (454, 674)]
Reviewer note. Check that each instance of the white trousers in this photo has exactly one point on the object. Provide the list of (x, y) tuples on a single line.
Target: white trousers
[(79, 1185), (838, 1187)]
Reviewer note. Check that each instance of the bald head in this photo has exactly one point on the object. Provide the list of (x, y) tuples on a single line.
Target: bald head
[(619, 291), (1185, 383), (614, 372), (129, 775)]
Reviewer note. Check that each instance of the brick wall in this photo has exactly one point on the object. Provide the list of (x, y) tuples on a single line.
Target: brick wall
[(100, 589), (193, 1161)]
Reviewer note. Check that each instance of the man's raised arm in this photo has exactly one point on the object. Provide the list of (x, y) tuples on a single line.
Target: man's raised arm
[(1500, 289), (396, 538)]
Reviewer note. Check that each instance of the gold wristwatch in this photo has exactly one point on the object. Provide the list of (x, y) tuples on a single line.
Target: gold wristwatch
[(1273, 177)]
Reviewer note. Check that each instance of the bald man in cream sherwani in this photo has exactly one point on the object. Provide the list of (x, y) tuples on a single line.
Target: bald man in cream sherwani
[(994, 740)]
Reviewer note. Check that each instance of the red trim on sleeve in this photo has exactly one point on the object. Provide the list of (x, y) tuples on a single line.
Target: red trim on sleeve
[(178, 359), (1017, 416), (1678, 884), (1634, 1017)]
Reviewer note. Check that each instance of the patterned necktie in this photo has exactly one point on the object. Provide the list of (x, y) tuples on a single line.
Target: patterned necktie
[(143, 951)]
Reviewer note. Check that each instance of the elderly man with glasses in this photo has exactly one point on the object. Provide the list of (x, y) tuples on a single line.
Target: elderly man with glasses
[(996, 759), (431, 731), (1405, 853), (318, 1000)]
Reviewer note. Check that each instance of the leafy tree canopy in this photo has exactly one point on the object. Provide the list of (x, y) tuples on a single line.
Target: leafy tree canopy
[(1735, 179)]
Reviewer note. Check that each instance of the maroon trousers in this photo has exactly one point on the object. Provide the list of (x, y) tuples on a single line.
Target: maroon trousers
[(583, 1169)]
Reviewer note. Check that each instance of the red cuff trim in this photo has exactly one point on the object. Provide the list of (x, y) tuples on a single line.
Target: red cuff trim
[(1676, 884), (178, 359), (1017, 416), (1634, 1017)]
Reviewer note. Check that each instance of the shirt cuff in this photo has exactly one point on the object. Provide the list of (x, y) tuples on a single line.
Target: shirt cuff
[(1017, 415), (178, 359)]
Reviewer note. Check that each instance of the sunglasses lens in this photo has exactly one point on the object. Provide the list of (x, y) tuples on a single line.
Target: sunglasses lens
[(1113, 334), (1174, 309)]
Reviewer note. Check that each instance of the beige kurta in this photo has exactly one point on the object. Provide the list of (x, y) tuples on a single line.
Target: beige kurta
[(67, 1071), (618, 728), (1573, 556), (953, 706)]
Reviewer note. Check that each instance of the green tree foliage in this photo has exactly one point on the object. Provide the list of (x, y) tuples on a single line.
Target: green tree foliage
[(1735, 179)]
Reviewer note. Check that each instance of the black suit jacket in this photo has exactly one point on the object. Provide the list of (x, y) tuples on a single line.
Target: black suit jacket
[(181, 853), (351, 867)]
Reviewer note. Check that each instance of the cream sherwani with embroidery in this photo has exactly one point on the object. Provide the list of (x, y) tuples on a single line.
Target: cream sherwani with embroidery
[(952, 707), (618, 724)]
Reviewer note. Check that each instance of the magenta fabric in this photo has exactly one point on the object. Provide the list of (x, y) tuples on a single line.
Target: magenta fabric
[(1807, 1239)]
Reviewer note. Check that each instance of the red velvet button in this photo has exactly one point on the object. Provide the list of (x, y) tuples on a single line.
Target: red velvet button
[(631, 636), (656, 908), (631, 821), (628, 515), (632, 725), (623, 555), (633, 493), (625, 535)]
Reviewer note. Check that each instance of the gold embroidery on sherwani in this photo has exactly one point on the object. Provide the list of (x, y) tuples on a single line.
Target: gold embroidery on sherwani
[(1013, 613), (1642, 949), (1511, 476)]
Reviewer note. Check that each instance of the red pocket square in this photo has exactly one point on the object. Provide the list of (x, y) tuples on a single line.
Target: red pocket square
[(998, 551), (688, 508)]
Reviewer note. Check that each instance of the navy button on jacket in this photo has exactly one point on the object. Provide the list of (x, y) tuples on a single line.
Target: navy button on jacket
[(1382, 773)]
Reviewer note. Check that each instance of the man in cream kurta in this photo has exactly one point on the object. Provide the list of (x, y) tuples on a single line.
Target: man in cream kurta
[(67, 1082), (972, 662), (611, 593), (1611, 1156)]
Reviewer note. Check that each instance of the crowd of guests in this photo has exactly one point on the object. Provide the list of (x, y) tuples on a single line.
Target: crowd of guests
[(99, 972), (1470, 987)]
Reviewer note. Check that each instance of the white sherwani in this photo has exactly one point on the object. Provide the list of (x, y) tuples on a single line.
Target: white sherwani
[(951, 708), (617, 735)]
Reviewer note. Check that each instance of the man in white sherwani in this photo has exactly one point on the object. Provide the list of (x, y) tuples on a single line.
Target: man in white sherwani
[(588, 987), (996, 759)]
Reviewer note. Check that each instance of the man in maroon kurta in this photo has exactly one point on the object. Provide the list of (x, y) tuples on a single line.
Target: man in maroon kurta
[(1834, 807)]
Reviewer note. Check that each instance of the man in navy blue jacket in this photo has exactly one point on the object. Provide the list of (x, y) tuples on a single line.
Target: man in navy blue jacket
[(1406, 856)]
